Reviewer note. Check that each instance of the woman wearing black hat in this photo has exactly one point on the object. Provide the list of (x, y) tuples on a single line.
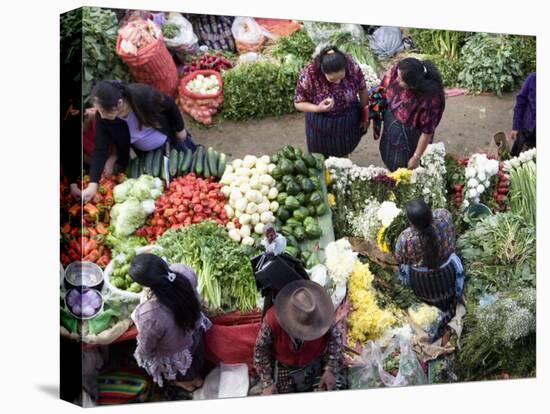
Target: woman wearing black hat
[(170, 344), (298, 347)]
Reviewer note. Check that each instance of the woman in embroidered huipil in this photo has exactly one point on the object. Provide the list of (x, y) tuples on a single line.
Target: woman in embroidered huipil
[(331, 91), (415, 103), (171, 326)]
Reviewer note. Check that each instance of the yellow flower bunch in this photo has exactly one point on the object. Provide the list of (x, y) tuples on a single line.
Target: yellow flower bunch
[(331, 199), (366, 320), (328, 178), (381, 241), (423, 315), (401, 175)]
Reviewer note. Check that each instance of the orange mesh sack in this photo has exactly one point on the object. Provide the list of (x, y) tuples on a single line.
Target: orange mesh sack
[(200, 104), (277, 28), (140, 45)]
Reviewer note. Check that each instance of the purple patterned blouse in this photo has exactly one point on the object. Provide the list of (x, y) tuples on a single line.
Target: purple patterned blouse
[(313, 87), (163, 348)]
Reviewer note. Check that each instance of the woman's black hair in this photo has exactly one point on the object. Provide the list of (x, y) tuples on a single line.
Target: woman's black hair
[(331, 60), (144, 100), (177, 295), (422, 77), (420, 216)]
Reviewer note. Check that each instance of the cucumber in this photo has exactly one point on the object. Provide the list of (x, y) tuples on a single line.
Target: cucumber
[(181, 158), (157, 162), (199, 167), (173, 162), (206, 173), (149, 162), (213, 161), (142, 164), (129, 167), (136, 168), (193, 161), (221, 165), (186, 162)]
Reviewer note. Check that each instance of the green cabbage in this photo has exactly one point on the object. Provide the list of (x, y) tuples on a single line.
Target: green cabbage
[(121, 191), (130, 217)]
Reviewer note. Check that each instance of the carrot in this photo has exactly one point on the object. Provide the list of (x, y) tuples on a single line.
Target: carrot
[(100, 228), (89, 246), (92, 256)]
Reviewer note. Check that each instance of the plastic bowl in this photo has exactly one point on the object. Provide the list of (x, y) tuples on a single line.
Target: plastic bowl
[(84, 290), (85, 274)]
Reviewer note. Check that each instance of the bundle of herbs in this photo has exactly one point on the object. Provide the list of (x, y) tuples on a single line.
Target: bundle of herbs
[(500, 338), (259, 89), (358, 49), (225, 277), (298, 44), (389, 289), (498, 253)]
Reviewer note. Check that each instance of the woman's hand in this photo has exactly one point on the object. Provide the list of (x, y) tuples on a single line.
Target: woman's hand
[(110, 165), (270, 390), (513, 135), (75, 192), (326, 105), (414, 162), (89, 192), (328, 381)]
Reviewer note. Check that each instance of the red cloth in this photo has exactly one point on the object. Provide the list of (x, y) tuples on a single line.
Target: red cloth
[(88, 138), (232, 338), (283, 350)]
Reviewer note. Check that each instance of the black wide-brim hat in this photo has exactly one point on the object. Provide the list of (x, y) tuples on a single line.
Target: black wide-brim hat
[(304, 310)]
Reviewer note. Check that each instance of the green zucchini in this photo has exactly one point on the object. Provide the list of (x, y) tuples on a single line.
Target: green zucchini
[(129, 167), (163, 170), (149, 162), (186, 163), (199, 167), (206, 173), (136, 168), (142, 164), (173, 162), (212, 161), (194, 161), (222, 160), (157, 162)]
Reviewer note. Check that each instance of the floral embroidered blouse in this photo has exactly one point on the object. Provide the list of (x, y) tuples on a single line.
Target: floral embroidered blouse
[(164, 348), (408, 249), (423, 114), (313, 87)]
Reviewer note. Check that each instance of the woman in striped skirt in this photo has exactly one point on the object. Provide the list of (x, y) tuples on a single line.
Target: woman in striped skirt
[(331, 91), (428, 262), (415, 103)]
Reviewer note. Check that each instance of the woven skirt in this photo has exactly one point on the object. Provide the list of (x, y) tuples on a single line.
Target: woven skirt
[(398, 142), (334, 136)]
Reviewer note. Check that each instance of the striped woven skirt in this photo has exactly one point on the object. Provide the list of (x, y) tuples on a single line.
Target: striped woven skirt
[(436, 287), (398, 142), (333, 136)]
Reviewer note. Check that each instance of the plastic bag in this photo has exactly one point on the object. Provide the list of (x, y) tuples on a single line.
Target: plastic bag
[(370, 372), (224, 381), (186, 41), (321, 32), (386, 41), (248, 34)]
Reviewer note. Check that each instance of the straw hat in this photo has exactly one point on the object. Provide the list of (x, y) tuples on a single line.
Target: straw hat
[(304, 310)]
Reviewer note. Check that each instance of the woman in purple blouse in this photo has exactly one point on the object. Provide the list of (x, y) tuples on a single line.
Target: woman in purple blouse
[(171, 326), (331, 91), (133, 115), (525, 117)]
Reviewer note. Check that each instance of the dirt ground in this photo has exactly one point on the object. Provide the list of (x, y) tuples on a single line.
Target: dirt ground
[(468, 125)]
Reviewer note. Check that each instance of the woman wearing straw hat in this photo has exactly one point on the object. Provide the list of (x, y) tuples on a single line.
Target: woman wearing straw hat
[(298, 347)]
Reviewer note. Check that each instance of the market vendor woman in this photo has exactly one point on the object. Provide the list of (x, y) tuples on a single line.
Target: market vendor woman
[(133, 115), (327, 91), (415, 104), (171, 326), (298, 348), (427, 258)]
